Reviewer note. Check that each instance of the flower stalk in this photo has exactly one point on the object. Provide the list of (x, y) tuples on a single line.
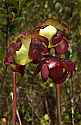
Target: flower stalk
[(14, 98), (58, 97)]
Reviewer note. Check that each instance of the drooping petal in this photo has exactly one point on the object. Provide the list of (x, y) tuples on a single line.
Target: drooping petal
[(43, 40), (57, 38), (58, 72), (37, 48), (62, 47), (10, 52), (60, 43), (44, 72), (70, 66), (13, 47), (35, 56)]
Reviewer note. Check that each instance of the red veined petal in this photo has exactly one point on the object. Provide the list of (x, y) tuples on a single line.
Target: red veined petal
[(62, 47), (58, 73), (37, 49), (60, 43), (44, 72), (35, 56), (10, 52), (57, 38), (70, 66)]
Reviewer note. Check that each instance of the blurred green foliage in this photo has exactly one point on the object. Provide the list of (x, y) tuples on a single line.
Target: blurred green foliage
[(23, 15)]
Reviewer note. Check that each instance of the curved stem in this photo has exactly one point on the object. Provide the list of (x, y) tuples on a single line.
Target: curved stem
[(58, 97), (14, 98)]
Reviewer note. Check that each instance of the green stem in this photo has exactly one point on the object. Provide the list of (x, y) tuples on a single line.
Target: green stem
[(14, 98), (58, 97)]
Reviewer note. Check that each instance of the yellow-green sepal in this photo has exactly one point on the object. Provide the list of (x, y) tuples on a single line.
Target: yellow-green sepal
[(21, 56), (48, 32)]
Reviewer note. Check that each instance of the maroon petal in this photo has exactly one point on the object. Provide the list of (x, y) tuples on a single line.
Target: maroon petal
[(57, 71), (39, 40), (35, 56), (60, 43), (44, 40), (37, 49), (10, 52), (70, 66), (44, 72), (13, 47), (57, 38), (62, 47)]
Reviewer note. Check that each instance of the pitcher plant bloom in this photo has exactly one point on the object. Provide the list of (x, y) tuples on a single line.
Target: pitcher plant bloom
[(17, 52), (28, 47), (56, 69), (36, 47)]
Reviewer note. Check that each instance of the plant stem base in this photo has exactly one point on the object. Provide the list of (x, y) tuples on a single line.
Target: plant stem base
[(14, 98), (58, 97)]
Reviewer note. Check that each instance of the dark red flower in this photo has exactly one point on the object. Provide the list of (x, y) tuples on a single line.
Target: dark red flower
[(38, 48), (60, 43), (11, 53), (56, 69), (9, 57), (58, 72)]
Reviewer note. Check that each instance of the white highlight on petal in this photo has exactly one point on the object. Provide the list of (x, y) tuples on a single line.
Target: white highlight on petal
[(51, 65)]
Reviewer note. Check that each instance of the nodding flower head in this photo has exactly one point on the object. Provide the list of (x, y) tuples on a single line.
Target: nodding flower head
[(38, 48), (17, 52), (56, 69), (48, 32), (60, 43), (56, 39)]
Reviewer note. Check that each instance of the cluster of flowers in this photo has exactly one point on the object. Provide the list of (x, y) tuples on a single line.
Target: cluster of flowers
[(45, 48)]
